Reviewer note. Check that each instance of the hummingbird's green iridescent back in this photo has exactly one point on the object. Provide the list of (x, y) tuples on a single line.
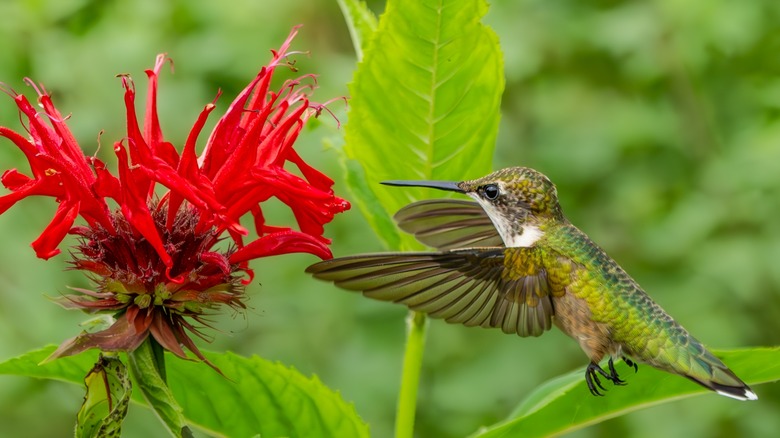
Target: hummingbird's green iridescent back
[(511, 260)]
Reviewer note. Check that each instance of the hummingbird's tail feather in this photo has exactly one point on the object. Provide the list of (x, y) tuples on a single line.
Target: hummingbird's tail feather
[(726, 383), (742, 392), (710, 372), (666, 345)]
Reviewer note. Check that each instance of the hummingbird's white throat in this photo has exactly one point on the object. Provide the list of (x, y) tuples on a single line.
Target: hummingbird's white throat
[(527, 238), (521, 237)]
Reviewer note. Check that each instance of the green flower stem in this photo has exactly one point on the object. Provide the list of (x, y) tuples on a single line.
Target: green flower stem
[(416, 325), (147, 365)]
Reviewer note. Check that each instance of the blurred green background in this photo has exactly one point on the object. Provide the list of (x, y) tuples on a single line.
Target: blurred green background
[(659, 121)]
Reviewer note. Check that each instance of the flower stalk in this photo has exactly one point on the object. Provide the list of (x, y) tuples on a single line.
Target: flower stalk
[(416, 328), (144, 365)]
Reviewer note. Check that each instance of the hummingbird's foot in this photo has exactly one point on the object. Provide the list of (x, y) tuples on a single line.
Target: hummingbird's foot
[(630, 363), (613, 375), (591, 376)]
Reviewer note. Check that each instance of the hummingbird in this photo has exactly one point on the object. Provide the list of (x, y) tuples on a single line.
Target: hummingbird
[(511, 260)]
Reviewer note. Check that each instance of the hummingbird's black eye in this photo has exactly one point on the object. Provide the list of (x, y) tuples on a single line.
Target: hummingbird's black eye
[(490, 191)]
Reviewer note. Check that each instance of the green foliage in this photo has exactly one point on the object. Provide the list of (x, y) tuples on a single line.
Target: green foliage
[(539, 415), (254, 397), (269, 399), (425, 105), (658, 121)]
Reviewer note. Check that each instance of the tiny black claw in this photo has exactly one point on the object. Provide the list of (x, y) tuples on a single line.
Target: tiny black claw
[(593, 371), (631, 363), (591, 377), (613, 375)]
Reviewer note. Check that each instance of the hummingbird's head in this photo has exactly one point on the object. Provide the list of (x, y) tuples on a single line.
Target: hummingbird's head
[(515, 191), (518, 200)]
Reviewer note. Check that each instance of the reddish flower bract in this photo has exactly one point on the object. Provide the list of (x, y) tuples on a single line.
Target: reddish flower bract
[(155, 259)]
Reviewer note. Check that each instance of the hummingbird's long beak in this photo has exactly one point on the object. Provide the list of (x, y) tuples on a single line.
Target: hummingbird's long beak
[(441, 185)]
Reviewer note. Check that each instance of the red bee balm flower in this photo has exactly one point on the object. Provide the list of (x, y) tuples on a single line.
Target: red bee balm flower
[(155, 259)]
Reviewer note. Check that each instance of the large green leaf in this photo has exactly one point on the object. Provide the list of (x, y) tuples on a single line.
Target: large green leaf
[(255, 397), (425, 105), (265, 398), (541, 413)]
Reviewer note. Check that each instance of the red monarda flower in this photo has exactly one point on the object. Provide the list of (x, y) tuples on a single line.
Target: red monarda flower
[(155, 259)]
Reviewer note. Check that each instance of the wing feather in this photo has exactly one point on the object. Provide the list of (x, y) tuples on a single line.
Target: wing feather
[(448, 224), (466, 286)]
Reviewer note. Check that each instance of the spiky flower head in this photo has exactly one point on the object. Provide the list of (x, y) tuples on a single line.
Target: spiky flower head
[(156, 260)]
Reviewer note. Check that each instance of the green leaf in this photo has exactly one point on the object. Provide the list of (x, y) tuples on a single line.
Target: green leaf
[(266, 398), (68, 369), (106, 401), (361, 23), (146, 369), (425, 104), (255, 397), (540, 414)]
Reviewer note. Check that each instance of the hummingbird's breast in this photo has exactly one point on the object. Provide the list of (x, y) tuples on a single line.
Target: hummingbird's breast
[(574, 316)]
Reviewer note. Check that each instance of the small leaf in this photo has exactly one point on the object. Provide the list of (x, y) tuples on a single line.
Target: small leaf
[(255, 397), (361, 23), (425, 103), (106, 401), (540, 414)]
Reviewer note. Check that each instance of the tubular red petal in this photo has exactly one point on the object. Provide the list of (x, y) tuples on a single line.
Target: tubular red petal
[(66, 146), (188, 164), (282, 243), (134, 207), (18, 194), (106, 185), (137, 147), (22, 143), (152, 132), (45, 246), (222, 141), (312, 175)]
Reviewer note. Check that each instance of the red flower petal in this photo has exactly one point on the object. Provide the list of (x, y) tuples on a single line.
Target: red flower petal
[(282, 243), (45, 246)]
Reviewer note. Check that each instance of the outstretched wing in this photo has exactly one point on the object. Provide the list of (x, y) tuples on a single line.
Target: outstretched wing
[(467, 286), (448, 224)]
